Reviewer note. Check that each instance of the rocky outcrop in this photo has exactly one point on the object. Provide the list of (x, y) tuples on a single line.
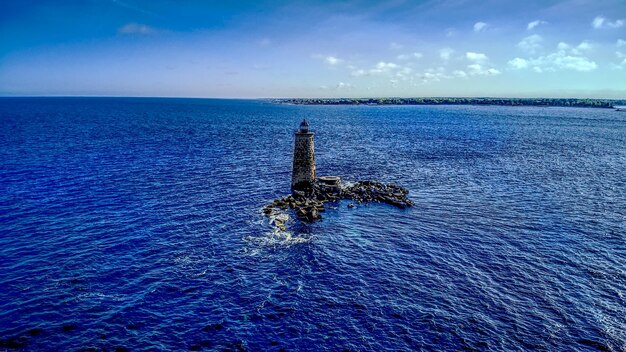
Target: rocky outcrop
[(308, 205), (371, 191)]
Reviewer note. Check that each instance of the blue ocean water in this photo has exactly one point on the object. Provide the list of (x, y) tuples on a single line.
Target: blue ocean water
[(137, 223)]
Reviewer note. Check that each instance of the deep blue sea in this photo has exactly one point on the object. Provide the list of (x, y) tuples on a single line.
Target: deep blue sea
[(137, 224)]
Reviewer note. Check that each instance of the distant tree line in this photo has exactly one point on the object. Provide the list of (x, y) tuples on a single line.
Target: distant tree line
[(571, 102)]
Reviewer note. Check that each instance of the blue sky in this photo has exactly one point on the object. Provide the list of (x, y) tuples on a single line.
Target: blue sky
[(532, 48)]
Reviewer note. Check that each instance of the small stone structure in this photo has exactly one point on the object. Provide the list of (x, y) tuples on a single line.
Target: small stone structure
[(330, 184), (303, 175), (309, 195)]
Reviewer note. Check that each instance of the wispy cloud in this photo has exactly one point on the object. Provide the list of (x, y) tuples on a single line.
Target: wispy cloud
[(136, 28), (602, 22), (580, 49), (459, 73), (446, 53), (381, 67), (384, 67), (566, 57), (476, 57), (532, 25), (395, 46), (329, 59), (519, 63), (530, 44), (620, 66), (480, 26), (359, 72), (620, 43), (481, 70), (405, 73), (479, 65), (343, 85), (434, 75), (337, 87), (404, 57)]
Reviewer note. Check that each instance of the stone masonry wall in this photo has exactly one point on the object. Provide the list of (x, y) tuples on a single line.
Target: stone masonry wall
[(303, 161)]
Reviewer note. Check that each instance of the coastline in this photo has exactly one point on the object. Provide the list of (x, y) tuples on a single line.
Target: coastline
[(542, 102)]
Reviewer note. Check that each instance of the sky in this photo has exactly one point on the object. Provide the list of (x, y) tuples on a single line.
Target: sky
[(266, 49)]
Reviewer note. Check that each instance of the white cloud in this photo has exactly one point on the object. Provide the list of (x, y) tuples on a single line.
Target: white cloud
[(359, 73), (385, 65), (581, 48), (428, 77), (530, 44), (480, 70), (620, 55), (380, 68), (136, 28), (602, 22), (479, 65), (565, 58), (620, 43), (576, 63), (404, 57), (480, 26), (404, 73), (598, 22), (584, 46), (445, 53), (342, 85), (434, 75), (331, 60), (476, 57), (620, 66), (439, 73), (459, 73), (338, 86), (518, 63), (533, 24)]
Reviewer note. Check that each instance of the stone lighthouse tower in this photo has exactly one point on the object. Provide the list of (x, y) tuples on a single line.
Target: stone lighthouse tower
[(303, 175)]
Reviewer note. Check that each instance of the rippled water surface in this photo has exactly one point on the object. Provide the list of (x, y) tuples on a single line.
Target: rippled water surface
[(137, 223)]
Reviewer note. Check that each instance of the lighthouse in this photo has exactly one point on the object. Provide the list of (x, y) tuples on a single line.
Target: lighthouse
[(303, 174)]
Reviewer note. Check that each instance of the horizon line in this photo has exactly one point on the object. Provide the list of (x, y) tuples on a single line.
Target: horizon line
[(285, 98)]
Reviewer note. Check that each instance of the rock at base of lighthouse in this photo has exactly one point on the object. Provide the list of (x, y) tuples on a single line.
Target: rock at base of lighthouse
[(308, 205)]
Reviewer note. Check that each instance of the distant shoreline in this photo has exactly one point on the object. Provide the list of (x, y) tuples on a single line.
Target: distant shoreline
[(618, 104), (548, 102)]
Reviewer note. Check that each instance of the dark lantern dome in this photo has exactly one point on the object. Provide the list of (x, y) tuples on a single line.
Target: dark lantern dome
[(304, 126)]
